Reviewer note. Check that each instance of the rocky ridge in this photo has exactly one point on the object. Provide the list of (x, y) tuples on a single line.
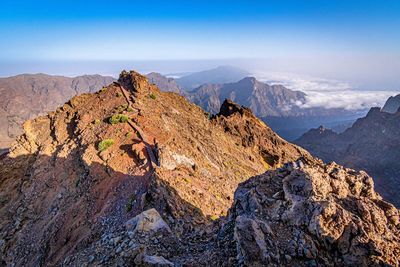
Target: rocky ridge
[(132, 176)]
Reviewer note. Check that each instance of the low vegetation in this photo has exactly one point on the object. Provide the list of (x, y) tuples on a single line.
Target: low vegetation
[(118, 118), (152, 96), (105, 144)]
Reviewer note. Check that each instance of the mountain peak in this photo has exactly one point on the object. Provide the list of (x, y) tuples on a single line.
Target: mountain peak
[(229, 107), (133, 81), (248, 80), (392, 104)]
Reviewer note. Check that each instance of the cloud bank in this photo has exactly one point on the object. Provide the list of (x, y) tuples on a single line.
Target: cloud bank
[(328, 93)]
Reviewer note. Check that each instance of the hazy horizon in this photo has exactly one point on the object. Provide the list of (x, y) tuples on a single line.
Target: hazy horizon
[(323, 48)]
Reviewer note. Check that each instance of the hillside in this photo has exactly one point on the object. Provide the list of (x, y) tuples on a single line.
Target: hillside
[(76, 174), (371, 144), (28, 95)]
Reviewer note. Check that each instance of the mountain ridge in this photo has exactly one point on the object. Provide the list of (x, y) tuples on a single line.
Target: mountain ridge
[(133, 176)]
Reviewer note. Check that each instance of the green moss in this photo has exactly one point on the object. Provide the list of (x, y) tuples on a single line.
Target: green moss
[(152, 96), (105, 144), (118, 118)]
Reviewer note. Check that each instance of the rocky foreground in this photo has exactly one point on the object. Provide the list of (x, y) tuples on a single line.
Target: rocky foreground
[(131, 176)]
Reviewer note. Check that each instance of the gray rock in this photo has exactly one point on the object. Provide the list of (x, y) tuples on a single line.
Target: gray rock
[(149, 220)]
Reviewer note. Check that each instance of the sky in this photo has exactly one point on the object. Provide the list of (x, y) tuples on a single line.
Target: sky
[(350, 41)]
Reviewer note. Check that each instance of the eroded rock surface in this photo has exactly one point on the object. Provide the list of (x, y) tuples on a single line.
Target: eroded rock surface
[(313, 214)]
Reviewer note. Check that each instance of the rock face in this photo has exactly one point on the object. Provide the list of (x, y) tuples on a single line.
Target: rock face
[(28, 95), (392, 105), (371, 144), (312, 214)]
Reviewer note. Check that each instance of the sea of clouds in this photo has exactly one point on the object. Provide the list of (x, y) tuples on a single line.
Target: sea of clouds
[(328, 93)]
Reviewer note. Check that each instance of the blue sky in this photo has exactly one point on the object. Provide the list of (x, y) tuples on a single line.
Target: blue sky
[(345, 39)]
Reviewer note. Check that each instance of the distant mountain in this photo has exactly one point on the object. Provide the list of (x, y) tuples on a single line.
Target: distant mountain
[(221, 74), (392, 105), (277, 105), (372, 144), (28, 95), (164, 83), (261, 98)]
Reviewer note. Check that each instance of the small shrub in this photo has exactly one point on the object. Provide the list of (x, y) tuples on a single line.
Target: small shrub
[(96, 121), (129, 109), (129, 204), (104, 89), (214, 217), (118, 118), (105, 144), (152, 96), (118, 94)]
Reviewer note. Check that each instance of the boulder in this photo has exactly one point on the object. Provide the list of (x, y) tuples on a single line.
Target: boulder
[(152, 261), (147, 221)]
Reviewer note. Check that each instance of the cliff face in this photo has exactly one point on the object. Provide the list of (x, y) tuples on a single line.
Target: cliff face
[(371, 144), (392, 105), (78, 174), (28, 95)]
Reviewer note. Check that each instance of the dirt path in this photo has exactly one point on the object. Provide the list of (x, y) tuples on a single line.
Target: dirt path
[(151, 157)]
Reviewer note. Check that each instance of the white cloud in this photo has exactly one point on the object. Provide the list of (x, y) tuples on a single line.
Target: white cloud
[(349, 99), (328, 93)]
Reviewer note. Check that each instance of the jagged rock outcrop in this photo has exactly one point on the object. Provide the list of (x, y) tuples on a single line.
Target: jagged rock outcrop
[(371, 144), (29, 95), (311, 214)]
